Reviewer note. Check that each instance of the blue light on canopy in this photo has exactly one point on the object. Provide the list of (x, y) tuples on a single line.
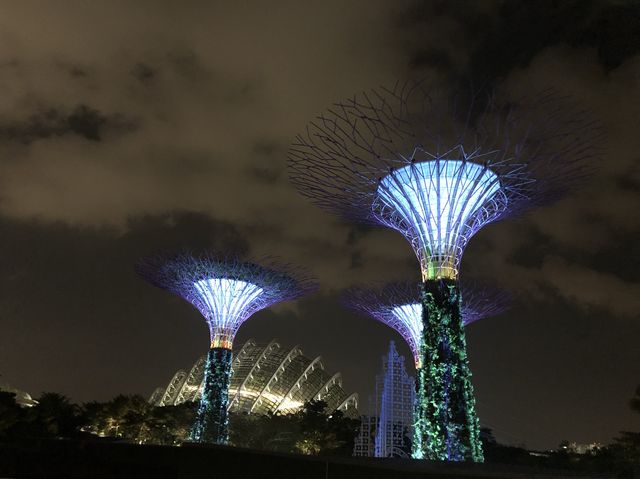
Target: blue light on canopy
[(409, 325), (438, 205), (228, 303)]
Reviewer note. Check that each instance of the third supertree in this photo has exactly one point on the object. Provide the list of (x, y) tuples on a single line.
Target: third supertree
[(437, 167)]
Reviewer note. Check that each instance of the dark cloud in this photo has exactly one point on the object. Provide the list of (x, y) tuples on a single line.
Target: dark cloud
[(144, 73), (502, 36), (78, 72), (82, 121), (268, 166)]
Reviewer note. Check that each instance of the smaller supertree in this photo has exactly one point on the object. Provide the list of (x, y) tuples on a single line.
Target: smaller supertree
[(398, 305), (227, 291)]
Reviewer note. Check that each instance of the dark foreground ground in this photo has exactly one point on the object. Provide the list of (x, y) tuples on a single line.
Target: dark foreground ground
[(97, 460)]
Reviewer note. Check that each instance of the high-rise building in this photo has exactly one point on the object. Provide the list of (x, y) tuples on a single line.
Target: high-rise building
[(387, 431), (395, 394)]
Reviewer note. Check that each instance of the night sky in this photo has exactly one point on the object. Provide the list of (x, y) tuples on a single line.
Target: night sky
[(130, 127)]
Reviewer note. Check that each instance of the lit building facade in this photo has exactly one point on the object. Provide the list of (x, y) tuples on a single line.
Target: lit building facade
[(388, 430)]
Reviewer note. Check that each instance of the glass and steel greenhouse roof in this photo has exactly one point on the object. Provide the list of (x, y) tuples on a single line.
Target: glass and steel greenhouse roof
[(266, 379)]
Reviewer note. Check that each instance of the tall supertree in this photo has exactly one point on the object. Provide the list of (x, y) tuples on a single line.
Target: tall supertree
[(226, 291), (437, 168)]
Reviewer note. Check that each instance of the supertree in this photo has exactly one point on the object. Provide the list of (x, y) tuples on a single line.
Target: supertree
[(226, 291), (399, 306), (438, 167)]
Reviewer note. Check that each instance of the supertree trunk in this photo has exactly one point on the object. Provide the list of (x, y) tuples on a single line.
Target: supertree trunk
[(212, 421), (446, 426)]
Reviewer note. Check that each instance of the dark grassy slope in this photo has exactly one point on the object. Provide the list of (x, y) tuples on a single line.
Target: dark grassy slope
[(100, 459)]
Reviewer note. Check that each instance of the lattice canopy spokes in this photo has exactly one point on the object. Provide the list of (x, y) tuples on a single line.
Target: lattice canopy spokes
[(226, 304), (399, 306), (406, 319), (438, 205), (226, 290)]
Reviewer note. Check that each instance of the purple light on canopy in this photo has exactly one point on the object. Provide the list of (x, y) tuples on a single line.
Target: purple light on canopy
[(398, 306), (226, 290)]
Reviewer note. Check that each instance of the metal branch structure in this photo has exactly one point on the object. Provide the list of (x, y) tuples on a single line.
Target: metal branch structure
[(437, 168), (266, 379), (226, 291), (399, 306)]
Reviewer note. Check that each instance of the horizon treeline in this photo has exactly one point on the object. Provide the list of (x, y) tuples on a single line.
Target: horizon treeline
[(312, 430)]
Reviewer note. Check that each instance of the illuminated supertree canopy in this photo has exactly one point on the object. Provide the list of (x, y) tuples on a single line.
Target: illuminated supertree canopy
[(438, 167), (399, 306), (227, 291)]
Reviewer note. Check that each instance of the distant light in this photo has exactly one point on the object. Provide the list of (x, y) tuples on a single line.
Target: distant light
[(228, 302), (438, 204)]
